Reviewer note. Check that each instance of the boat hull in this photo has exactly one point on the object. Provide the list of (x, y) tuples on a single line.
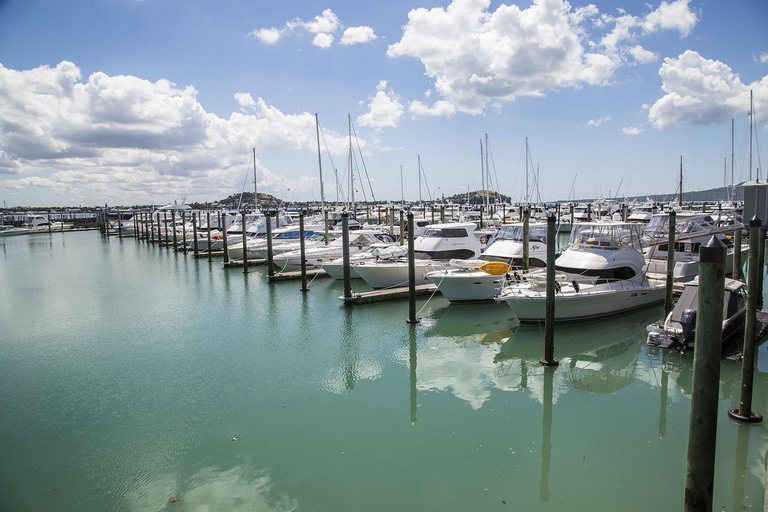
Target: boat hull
[(467, 285)]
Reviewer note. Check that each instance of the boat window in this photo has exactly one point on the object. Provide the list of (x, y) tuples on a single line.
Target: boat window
[(459, 254), (603, 275), (445, 233)]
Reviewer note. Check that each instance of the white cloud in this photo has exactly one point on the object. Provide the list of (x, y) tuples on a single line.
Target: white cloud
[(355, 35), (267, 35), (479, 57), (642, 55), (441, 108), (762, 58), (323, 23), (598, 121), (323, 40), (384, 109), (700, 91), (671, 16), (118, 137), (632, 130)]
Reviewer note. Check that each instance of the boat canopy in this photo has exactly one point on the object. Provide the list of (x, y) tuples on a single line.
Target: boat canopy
[(605, 235), (536, 232)]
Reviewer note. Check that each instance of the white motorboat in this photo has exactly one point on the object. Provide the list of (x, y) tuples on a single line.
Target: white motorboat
[(283, 239), (691, 230), (12, 231), (379, 250), (433, 249), (600, 274), (475, 280), (318, 255), (40, 224)]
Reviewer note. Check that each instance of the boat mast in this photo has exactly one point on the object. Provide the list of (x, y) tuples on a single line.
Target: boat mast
[(320, 166), (419, 157), (526, 171), (482, 165), (255, 193), (730, 192), (351, 170), (488, 169), (751, 106), (402, 194), (680, 200)]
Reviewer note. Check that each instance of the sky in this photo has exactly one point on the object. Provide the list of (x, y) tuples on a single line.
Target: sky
[(139, 102)]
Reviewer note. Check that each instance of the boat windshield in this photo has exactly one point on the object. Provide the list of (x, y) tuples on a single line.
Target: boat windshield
[(445, 233), (536, 233), (609, 236)]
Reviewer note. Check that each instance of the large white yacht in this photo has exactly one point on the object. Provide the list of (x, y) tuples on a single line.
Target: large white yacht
[(433, 249), (475, 280), (600, 274), (318, 255)]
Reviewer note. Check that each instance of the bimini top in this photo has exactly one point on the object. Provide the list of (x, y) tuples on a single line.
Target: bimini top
[(605, 235)]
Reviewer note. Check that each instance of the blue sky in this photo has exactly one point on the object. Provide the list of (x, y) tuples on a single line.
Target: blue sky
[(125, 101)]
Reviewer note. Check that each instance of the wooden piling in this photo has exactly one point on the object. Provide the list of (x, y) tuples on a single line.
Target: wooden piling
[(702, 431), (184, 230), (208, 229), (760, 264), (411, 274), (165, 227), (347, 271), (736, 271), (302, 254), (119, 224), (668, 303), (402, 228), (549, 313), (526, 238), (442, 214), (270, 254), (744, 412), (151, 228), (245, 245), (194, 234), (173, 226)]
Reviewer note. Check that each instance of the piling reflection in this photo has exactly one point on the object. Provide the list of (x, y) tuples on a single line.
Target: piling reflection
[(349, 350), (412, 370), (546, 427)]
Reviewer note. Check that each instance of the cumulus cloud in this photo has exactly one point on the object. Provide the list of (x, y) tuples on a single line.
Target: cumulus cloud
[(123, 136), (268, 35), (441, 108), (384, 109), (598, 121), (323, 40), (478, 57), (701, 91), (322, 26), (762, 58), (632, 130), (357, 35)]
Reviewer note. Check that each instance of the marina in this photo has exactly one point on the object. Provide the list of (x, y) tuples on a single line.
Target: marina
[(134, 375)]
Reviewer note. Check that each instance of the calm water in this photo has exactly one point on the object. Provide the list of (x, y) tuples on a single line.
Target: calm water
[(126, 370)]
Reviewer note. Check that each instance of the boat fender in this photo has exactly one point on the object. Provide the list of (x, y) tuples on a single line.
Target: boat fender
[(575, 286), (558, 288)]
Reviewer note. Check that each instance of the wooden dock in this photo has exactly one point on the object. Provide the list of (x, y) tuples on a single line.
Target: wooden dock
[(239, 263), (290, 276), (214, 254), (387, 294)]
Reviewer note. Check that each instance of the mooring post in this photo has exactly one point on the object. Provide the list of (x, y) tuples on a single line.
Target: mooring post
[(527, 237), (760, 265), (195, 250), (119, 224), (184, 230), (165, 226), (151, 233), (702, 431), (277, 218), (432, 208), (391, 220), (402, 228), (50, 224), (411, 274), (571, 211), (325, 223), (347, 271), (225, 246), (549, 314), (481, 216), (442, 214), (670, 281), (245, 245), (736, 271), (744, 412), (589, 212), (208, 229), (624, 212), (173, 226), (302, 253), (270, 255)]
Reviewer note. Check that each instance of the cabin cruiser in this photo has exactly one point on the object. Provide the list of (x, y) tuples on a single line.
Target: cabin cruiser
[(678, 330), (283, 239), (643, 212), (476, 280), (12, 231), (433, 249), (318, 255), (600, 274), (691, 230), (41, 224), (376, 251)]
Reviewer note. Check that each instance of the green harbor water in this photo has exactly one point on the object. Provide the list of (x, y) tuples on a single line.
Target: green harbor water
[(130, 374)]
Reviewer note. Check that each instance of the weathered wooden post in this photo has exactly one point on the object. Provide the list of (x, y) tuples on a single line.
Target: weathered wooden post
[(526, 238), (347, 271), (760, 264), (245, 245), (589, 212), (503, 213), (549, 313), (224, 243), (572, 213), (736, 272), (184, 230), (325, 224), (744, 412), (165, 228), (402, 228), (173, 226), (270, 255), (50, 224), (151, 228), (481, 216), (411, 274), (624, 212), (302, 253), (195, 250), (702, 431), (391, 216), (670, 281), (208, 229), (442, 214), (119, 224)]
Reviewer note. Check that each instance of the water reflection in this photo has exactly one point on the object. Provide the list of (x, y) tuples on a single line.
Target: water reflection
[(412, 372), (546, 426)]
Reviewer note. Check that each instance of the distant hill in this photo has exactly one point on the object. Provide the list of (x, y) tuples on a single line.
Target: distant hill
[(478, 197), (712, 195)]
